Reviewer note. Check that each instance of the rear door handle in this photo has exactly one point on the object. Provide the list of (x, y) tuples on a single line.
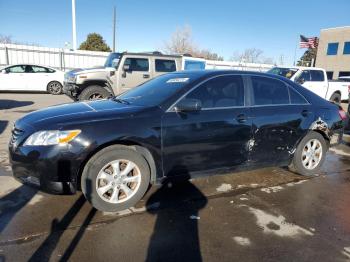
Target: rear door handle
[(241, 118), (305, 113), (145, 76)]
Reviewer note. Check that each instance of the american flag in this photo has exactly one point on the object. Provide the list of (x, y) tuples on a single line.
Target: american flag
[(305, 42)]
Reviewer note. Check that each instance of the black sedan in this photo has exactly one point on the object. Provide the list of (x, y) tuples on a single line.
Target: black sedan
[(181, 123)]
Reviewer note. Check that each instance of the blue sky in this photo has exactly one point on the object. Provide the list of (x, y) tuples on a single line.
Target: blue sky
[(222, 26)]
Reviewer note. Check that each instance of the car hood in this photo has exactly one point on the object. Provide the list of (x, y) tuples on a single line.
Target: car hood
[(87, 70), (78, 112)]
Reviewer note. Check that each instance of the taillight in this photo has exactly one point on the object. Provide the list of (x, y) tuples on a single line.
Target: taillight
[(342, 114)]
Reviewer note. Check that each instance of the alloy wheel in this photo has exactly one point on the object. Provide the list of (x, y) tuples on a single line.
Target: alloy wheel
[(312, 154), (118, 181), (55, 88)]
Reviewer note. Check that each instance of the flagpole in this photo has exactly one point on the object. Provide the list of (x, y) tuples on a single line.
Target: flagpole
[(295, 51)]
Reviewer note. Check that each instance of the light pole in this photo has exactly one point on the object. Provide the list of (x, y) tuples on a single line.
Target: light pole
[(74, 29)]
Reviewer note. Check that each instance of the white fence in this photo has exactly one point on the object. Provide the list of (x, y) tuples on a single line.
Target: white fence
[(66, 59), (238, 66), (59, 58)]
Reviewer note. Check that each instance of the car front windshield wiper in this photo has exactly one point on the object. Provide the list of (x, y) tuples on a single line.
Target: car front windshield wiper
[(119, 100)]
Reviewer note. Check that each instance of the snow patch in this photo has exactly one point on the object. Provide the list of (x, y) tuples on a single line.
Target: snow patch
[(224, 188), (243, 198), (346, 252), (243, 241), (272, 189), (35, 199), (339, 151), (277, 225), (296, 183), (254, 185)]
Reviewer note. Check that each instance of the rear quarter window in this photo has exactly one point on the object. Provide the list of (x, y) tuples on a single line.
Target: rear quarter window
[(296, 98), (163, 65)]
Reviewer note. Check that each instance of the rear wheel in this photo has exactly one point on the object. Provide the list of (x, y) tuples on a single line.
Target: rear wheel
[(94, 93), (310, 154), (336, 98), (54, 88), (115, 179)]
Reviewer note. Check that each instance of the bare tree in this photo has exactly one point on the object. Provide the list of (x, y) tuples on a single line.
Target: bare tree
[(251, 55), (6, 39), (181, 42)]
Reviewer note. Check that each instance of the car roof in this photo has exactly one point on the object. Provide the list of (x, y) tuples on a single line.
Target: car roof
[(214, 72), (300, 67), (31, 65)]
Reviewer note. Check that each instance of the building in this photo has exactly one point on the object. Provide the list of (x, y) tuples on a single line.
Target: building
[(333, 53)]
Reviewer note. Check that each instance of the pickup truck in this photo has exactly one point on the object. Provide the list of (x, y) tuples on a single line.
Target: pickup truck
[(123, 71), (315, 79)]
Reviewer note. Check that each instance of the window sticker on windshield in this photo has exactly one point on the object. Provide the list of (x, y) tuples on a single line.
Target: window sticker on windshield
[(178, 80)]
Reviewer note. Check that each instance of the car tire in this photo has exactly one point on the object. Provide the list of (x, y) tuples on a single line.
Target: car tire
[(105, 185), (94, 93), (336, 98), (308, 160), (55, 88)]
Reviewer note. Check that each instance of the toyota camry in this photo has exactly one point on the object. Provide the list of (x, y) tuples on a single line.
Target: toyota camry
[(181, 123)]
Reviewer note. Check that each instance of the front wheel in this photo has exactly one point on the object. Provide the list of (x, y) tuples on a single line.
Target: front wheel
[(309, 155), (116, 178), (94, 93)]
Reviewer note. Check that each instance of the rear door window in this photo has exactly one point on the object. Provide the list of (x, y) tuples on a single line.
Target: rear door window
[(39, 69), (317, 75), (137, 64), (162, 65), (268, 91)]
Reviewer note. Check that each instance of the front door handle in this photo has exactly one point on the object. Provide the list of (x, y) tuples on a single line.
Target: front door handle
[(241, 118), (145, 76), (305, 113)]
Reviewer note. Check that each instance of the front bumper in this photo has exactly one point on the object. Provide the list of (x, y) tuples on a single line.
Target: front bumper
[(71, 90), (52, 169)]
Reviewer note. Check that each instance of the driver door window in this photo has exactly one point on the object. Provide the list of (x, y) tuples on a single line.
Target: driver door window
[(305, 75), (137, 73), (220, 92), (15, 78)]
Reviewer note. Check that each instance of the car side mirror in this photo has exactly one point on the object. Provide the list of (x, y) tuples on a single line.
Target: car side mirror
[(188, 105), (3, 71), (300, 81), (126, 68)]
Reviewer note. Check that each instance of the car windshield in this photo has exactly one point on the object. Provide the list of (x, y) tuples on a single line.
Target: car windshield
[(286, 72), (157, 90), (113, 60)]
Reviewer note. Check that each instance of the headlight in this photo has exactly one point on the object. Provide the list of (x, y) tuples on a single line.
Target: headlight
[(70, 78), (51, 137)]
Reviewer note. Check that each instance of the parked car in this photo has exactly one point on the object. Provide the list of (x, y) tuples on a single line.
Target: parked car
[(173, 125), (27, 77), (315, 79), (123, 71)]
